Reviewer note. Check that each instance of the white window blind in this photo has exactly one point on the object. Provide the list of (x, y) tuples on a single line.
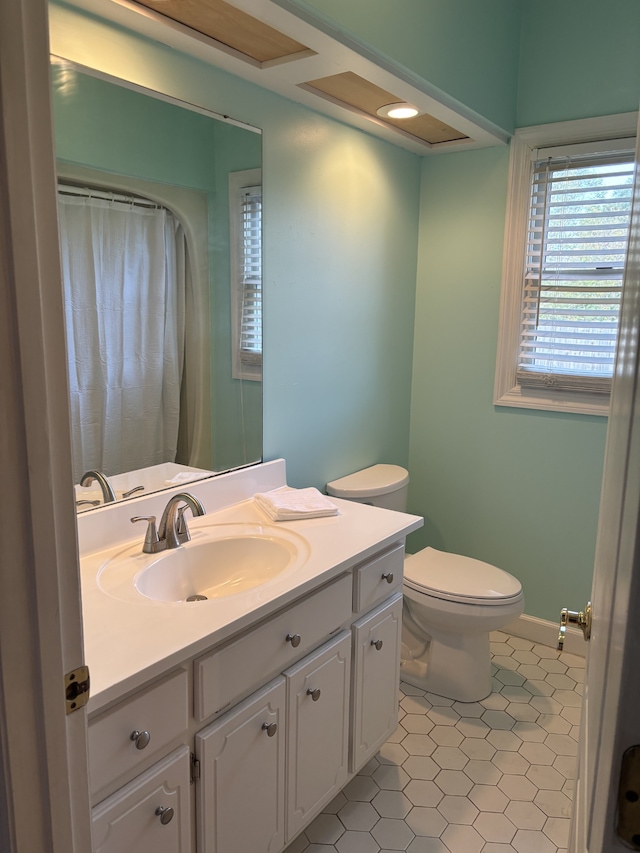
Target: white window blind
[(576, 249), (251, 311)]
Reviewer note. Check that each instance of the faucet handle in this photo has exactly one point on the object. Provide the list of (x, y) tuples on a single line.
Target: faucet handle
[(133, 491), (182, 530), (151, 541)]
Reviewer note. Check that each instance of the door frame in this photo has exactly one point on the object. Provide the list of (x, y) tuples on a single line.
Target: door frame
[(44, 791)]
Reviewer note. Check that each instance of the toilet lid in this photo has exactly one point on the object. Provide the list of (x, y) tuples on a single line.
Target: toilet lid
[(453, 577)]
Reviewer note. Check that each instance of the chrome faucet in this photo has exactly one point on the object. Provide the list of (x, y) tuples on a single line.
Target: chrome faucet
[(173, 530), (108, 495)]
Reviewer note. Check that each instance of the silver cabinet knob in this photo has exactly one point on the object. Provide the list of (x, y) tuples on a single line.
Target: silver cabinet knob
[(165, 813), (141, 739), (377, 644), (294, 639), (315, 694), (388, 577), (270, 728)]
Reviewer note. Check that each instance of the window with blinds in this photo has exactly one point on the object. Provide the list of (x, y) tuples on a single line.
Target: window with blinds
[(575, 254), (251, 309), (245, 219)]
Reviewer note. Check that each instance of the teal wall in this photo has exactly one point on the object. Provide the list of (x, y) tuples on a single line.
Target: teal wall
[(514, 487), (466, 48), (347, 217), (340, 227), (117, 130), (578, 58)]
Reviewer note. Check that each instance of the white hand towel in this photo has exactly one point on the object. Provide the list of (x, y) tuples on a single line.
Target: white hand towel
[(186, 477), (287, 504)]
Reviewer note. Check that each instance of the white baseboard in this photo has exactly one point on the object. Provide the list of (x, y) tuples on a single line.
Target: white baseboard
[(546, 633)]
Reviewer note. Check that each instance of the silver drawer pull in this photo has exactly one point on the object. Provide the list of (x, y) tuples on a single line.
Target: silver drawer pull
[(165, 813), (377, 644), (294, 639), (270, 728), (315, 694), (141, 739), (388, 577)]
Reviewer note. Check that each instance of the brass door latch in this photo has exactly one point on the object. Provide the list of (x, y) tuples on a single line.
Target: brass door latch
[(581, 618)]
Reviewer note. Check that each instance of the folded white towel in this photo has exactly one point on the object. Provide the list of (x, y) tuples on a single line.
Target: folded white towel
[(186, 477), (287, 504)]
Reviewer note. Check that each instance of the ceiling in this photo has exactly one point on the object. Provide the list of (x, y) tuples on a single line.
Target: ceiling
[(270, 46)]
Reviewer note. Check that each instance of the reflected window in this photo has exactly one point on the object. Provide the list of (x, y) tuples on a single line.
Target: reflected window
[(245, 222)]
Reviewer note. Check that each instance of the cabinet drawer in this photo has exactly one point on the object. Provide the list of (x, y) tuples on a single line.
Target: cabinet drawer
[(162, 710), (230, 672), (378, 579), (129, 822)]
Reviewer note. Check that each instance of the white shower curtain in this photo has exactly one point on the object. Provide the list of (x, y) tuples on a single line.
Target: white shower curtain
[(124, 279)]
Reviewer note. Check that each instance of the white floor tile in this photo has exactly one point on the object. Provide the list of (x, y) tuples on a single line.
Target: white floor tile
[(525, 815), (392, 804), (325, 829), (495, 776), (462, 839), (392, 834), (358, 816), (495, 827), (488, 798), (532, 841), (458, 810)]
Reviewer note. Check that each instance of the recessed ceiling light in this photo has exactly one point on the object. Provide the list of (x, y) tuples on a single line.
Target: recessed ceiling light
[(399, 110)]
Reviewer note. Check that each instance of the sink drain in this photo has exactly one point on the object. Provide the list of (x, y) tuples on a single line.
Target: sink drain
[(197, 598)]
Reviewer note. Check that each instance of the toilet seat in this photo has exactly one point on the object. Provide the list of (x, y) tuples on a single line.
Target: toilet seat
[(451, 577)]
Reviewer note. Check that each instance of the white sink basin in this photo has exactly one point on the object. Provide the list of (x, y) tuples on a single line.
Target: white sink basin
[(219, 561)]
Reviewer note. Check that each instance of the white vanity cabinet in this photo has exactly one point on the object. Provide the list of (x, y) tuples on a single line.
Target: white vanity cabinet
[(271, 724)]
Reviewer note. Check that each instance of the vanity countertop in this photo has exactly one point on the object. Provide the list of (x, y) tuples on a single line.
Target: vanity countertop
[(128, 643)]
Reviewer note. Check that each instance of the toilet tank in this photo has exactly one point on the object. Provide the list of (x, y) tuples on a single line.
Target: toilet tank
[(380, 485)]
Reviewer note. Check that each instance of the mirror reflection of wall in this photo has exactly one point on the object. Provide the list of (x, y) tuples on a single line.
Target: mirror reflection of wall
[(178, 161)]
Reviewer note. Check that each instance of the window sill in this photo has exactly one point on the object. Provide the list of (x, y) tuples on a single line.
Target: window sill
[(556, 401)]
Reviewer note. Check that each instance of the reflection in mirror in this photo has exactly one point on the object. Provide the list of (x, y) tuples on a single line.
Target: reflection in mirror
[(160, 208)]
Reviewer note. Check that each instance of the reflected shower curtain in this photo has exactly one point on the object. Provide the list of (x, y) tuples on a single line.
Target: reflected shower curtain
[(124, 280)]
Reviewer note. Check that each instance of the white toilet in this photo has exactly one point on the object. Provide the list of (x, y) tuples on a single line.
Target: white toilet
[(451, 603)]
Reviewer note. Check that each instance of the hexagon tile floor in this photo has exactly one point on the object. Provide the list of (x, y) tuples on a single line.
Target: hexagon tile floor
[(488, 777)]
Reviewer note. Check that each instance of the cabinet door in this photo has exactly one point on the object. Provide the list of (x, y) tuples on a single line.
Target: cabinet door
[(149, 815), (317, 730), (376, 640), (240, 797)]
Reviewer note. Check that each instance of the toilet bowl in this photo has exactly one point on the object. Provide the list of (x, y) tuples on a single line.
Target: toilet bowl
[(451, 602)]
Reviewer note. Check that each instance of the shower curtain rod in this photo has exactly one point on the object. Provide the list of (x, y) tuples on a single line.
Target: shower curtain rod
[(107, 195)]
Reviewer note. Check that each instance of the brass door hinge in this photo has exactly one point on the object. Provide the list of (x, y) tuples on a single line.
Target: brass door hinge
[(76, 688), (628, 811), (195, 769)]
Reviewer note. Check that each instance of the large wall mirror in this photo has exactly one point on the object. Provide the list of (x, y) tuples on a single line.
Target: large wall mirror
[(160, 208)]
